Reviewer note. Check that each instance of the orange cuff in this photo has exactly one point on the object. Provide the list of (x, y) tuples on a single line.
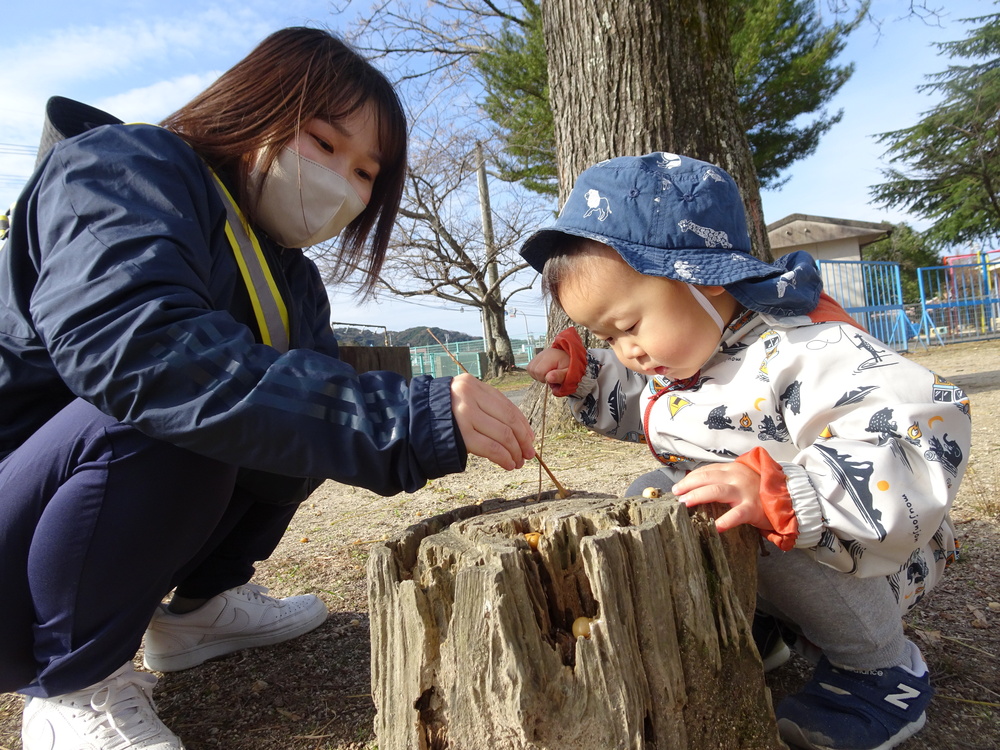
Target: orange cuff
[(774, 495), (570, 342)]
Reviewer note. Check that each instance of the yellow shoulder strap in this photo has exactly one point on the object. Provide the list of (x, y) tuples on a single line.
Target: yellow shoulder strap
[(5, 222), (268, 307)]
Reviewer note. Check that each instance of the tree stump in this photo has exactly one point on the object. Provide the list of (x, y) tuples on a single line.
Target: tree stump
[(472, 643)]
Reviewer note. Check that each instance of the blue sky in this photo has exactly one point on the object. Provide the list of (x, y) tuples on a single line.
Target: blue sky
[(141, 60)]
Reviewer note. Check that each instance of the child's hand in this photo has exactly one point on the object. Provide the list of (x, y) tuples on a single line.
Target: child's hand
[(732, 484), (491, 425), (549, 366)]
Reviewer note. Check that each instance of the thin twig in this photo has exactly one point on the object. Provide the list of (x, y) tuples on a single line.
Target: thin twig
[(541, 444), (963, 643), (446, 351), (562, 490), (983, 687), (966, 700), (538, 454)]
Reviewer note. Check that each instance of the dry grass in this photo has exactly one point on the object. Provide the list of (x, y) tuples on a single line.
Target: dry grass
[(982, 482)]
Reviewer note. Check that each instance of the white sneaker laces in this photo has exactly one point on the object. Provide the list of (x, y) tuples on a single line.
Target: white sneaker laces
[(253, 591), (125, 713)]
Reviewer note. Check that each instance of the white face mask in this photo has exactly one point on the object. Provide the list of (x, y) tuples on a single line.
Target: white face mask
[(303, 203)]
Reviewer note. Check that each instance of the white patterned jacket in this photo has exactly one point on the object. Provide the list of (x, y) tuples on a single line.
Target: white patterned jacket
[(873, 446)]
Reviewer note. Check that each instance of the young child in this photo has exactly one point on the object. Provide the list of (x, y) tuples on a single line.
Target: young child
[(756, 390)]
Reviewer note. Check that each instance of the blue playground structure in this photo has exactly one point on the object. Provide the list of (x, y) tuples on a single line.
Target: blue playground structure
[(960, 300)]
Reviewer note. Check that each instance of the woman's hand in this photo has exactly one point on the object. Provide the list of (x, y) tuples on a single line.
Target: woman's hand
[(731, 484), (491, 425), (550, 366)]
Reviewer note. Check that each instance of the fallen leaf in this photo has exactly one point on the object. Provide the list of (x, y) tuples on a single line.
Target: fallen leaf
[(930, 637), (978, 617)]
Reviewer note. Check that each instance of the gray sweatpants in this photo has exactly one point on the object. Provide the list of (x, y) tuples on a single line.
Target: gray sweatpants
[(855, 621)]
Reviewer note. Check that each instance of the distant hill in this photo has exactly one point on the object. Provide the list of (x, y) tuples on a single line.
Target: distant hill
[(416, 336)]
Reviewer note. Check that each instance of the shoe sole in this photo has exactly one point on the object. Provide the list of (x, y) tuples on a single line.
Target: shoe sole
[(180, 660), (778, 656), (794, 736)]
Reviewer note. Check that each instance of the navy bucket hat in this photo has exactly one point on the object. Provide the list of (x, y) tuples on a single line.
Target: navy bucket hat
[(680, 218)]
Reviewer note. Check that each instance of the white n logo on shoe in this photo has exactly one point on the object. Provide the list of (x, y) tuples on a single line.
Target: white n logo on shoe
[(899, 699)]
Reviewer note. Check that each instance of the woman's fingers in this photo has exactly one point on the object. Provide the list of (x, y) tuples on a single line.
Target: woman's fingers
[(491, 425)]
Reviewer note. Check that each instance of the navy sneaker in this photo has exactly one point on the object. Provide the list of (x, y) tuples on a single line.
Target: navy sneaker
[(840, 709)]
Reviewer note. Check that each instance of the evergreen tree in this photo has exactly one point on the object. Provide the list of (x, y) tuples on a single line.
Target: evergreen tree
[(783, 62), (515, 74), (783, 65), (949, 163)]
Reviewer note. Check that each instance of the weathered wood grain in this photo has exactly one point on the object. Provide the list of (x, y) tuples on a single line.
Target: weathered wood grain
[(472, 644)]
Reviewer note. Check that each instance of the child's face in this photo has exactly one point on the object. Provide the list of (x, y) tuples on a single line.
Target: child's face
[(653, 324), (349, 147)]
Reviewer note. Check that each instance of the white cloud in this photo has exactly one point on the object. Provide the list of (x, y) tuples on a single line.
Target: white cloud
[(153, 103), (73, 58), (136, 65)]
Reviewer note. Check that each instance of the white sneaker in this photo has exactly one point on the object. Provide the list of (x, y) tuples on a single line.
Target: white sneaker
[(240, 618), (114, 714)]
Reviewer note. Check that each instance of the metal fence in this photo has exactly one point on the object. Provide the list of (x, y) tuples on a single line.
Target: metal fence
[(961, 300), (872, 293), (435, 359)]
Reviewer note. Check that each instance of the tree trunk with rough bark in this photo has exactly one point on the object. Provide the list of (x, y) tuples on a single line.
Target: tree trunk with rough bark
[(472, 630), (628, 77), (636, 76), (499, 351)]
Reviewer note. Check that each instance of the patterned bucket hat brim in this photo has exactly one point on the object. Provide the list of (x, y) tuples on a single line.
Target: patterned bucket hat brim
[(680, 218)]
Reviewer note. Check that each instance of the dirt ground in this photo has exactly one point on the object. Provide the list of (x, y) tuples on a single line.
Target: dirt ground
[(314, 692)]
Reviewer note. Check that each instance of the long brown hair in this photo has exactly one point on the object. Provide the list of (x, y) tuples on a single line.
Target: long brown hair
[(292, 76)]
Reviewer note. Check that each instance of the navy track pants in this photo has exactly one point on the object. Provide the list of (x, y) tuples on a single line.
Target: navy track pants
[(98, 522)]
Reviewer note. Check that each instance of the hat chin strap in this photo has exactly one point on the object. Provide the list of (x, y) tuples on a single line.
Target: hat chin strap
[(708, 307)]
